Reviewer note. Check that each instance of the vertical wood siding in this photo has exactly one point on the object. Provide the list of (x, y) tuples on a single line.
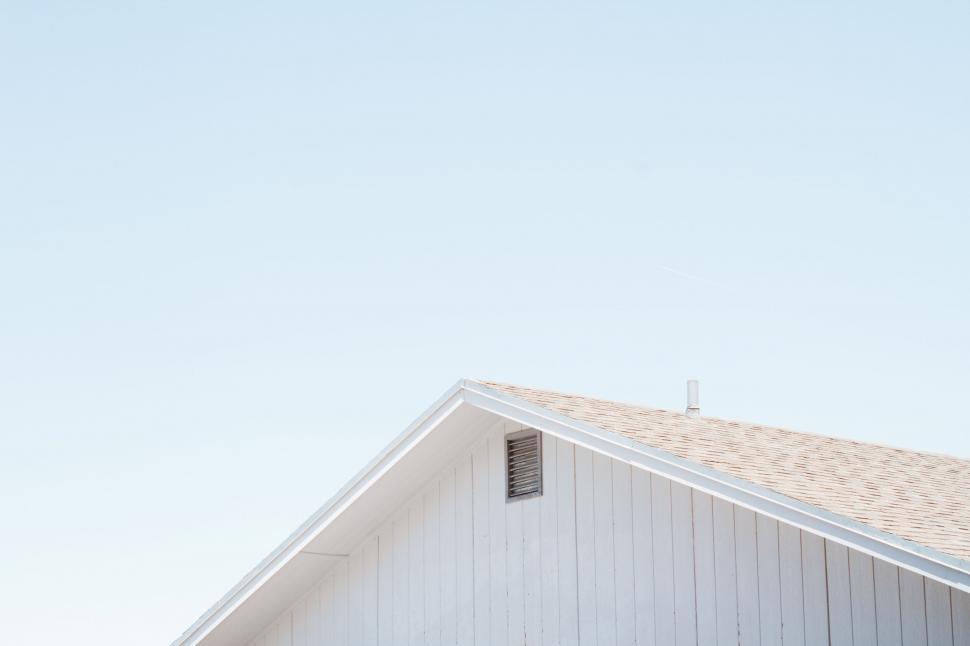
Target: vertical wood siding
[(609, 554)]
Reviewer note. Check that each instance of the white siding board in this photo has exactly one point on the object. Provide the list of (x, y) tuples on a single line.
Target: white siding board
[(603, 546), (863, 601), (498, 591), (705, 585), (355, 599), (532, 588), (888, 626), (839, 597), (432, 566), (682, 529), (769, 581), (400, 612), (815, 591), (370, 553), (663, 561), (642, 526), (566, 540), (549, 553), (465, 553), (746, 546), (912, 606), (340, 604), (385, 601), (623, 554), (447, 555), (939, 619), (725, 573), (416, 590), (285, 634), (792, 599), (314, 637), (515, 566), (585, 546), (960, 608), (299, 624), (482, 552), (326, 610)]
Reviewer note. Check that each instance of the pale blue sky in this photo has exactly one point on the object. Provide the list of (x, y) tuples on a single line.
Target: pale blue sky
[(242, 245)]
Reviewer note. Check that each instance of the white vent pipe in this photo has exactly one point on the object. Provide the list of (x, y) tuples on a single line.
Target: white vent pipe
[(693, 399)]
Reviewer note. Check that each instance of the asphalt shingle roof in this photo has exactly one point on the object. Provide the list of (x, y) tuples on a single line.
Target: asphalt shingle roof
[(921, 497)]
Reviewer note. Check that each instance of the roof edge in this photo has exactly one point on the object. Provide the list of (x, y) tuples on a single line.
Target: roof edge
[(913, 556)]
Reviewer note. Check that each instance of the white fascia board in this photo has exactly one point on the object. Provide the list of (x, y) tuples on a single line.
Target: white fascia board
[(305, 533), (888, 547)]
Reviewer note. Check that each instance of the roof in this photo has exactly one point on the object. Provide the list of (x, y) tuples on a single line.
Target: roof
[(920, 497), (904, 507)]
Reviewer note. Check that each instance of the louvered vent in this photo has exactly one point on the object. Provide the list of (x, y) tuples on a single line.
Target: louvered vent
[(523, 460)]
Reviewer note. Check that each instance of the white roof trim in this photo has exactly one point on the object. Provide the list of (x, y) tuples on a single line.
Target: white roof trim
[(912, 556)]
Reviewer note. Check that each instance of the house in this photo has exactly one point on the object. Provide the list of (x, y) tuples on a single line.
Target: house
[(508, 515)]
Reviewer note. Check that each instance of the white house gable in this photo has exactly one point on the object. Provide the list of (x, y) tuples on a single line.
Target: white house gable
[(609, 553)]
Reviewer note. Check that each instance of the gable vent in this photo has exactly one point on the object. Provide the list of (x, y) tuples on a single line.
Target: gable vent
[(523, 462)]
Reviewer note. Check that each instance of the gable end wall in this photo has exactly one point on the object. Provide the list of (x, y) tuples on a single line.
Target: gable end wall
[(609, 554)]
